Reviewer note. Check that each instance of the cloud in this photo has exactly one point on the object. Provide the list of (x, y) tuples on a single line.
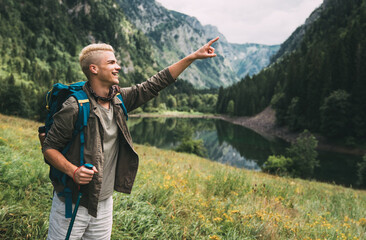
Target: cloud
[(241, 21)]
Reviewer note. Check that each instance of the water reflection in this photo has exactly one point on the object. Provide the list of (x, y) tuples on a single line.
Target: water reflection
[(225, 142), (223, 152), (235, 145), (250, 144)]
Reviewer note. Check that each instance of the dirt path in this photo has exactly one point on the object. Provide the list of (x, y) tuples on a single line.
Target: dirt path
[(264, 123)]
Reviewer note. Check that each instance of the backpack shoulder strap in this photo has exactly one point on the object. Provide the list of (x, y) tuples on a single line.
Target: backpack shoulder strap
[(123, 105), (81, 122), (82, 119)]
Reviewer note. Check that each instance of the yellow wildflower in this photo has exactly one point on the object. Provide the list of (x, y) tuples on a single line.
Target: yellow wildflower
[(217, 219), (3, 139), (235, 211), (215, 237), (362, 221)]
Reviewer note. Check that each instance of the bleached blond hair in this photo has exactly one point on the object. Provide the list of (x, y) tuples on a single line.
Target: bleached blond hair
[(90, 55)]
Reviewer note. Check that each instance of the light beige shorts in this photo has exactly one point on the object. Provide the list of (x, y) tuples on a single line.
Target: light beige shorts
[(85, 225)]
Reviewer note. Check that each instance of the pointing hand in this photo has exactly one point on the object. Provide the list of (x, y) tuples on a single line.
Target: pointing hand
[(206, 51)]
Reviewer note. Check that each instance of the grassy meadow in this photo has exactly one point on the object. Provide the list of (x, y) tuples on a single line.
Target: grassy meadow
[(180, 196)]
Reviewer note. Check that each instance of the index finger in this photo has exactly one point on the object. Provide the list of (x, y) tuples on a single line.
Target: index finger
[(213, 40)]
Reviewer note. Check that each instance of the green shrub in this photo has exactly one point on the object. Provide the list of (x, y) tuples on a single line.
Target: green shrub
[(279, 165), (192, 146), (171, 102), (304, 155), (231, 107), (335, 113), (300, 160), (137, 111)]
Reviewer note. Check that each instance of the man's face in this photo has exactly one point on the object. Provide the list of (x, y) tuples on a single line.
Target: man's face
[(108, 68)]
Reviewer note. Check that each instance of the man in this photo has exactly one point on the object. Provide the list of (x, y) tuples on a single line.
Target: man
[(108, 144)]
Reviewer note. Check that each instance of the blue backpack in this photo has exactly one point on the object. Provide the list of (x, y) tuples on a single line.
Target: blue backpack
[(54, 100)]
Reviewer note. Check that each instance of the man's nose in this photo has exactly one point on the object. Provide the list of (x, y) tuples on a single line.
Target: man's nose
[(118, 67)]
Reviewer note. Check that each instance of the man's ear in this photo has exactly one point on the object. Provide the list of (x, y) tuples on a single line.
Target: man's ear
[(93, 68)]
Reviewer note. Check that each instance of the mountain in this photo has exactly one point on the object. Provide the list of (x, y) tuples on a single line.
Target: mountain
[(174, 35), (319, 82)]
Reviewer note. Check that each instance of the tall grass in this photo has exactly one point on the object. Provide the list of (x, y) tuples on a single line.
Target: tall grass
[(180, 196)]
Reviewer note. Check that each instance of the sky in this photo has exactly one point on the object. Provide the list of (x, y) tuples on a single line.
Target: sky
[(248, 21)]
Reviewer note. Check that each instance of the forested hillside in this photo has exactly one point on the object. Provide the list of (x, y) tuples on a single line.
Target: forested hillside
[(321, 85), (40, 41)]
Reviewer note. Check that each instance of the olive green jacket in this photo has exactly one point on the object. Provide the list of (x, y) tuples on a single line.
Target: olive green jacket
[(127, 164)]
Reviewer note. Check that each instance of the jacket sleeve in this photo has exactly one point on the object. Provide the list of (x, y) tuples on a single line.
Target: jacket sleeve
[(63, 126), (139, 94)]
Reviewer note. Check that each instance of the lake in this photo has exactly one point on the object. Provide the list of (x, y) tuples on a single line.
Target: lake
[(236, 145)]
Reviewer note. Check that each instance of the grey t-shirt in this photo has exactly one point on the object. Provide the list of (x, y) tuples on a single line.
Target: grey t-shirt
[(111, 147)]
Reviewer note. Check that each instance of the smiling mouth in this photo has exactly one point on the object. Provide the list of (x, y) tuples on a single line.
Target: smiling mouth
[(115, 73)]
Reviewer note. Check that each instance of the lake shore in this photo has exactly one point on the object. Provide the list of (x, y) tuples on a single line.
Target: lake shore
[(264, 123)]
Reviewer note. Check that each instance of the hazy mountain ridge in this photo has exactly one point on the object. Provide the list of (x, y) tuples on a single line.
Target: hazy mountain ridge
[(174, 35), (245, 59), (250, 58)]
